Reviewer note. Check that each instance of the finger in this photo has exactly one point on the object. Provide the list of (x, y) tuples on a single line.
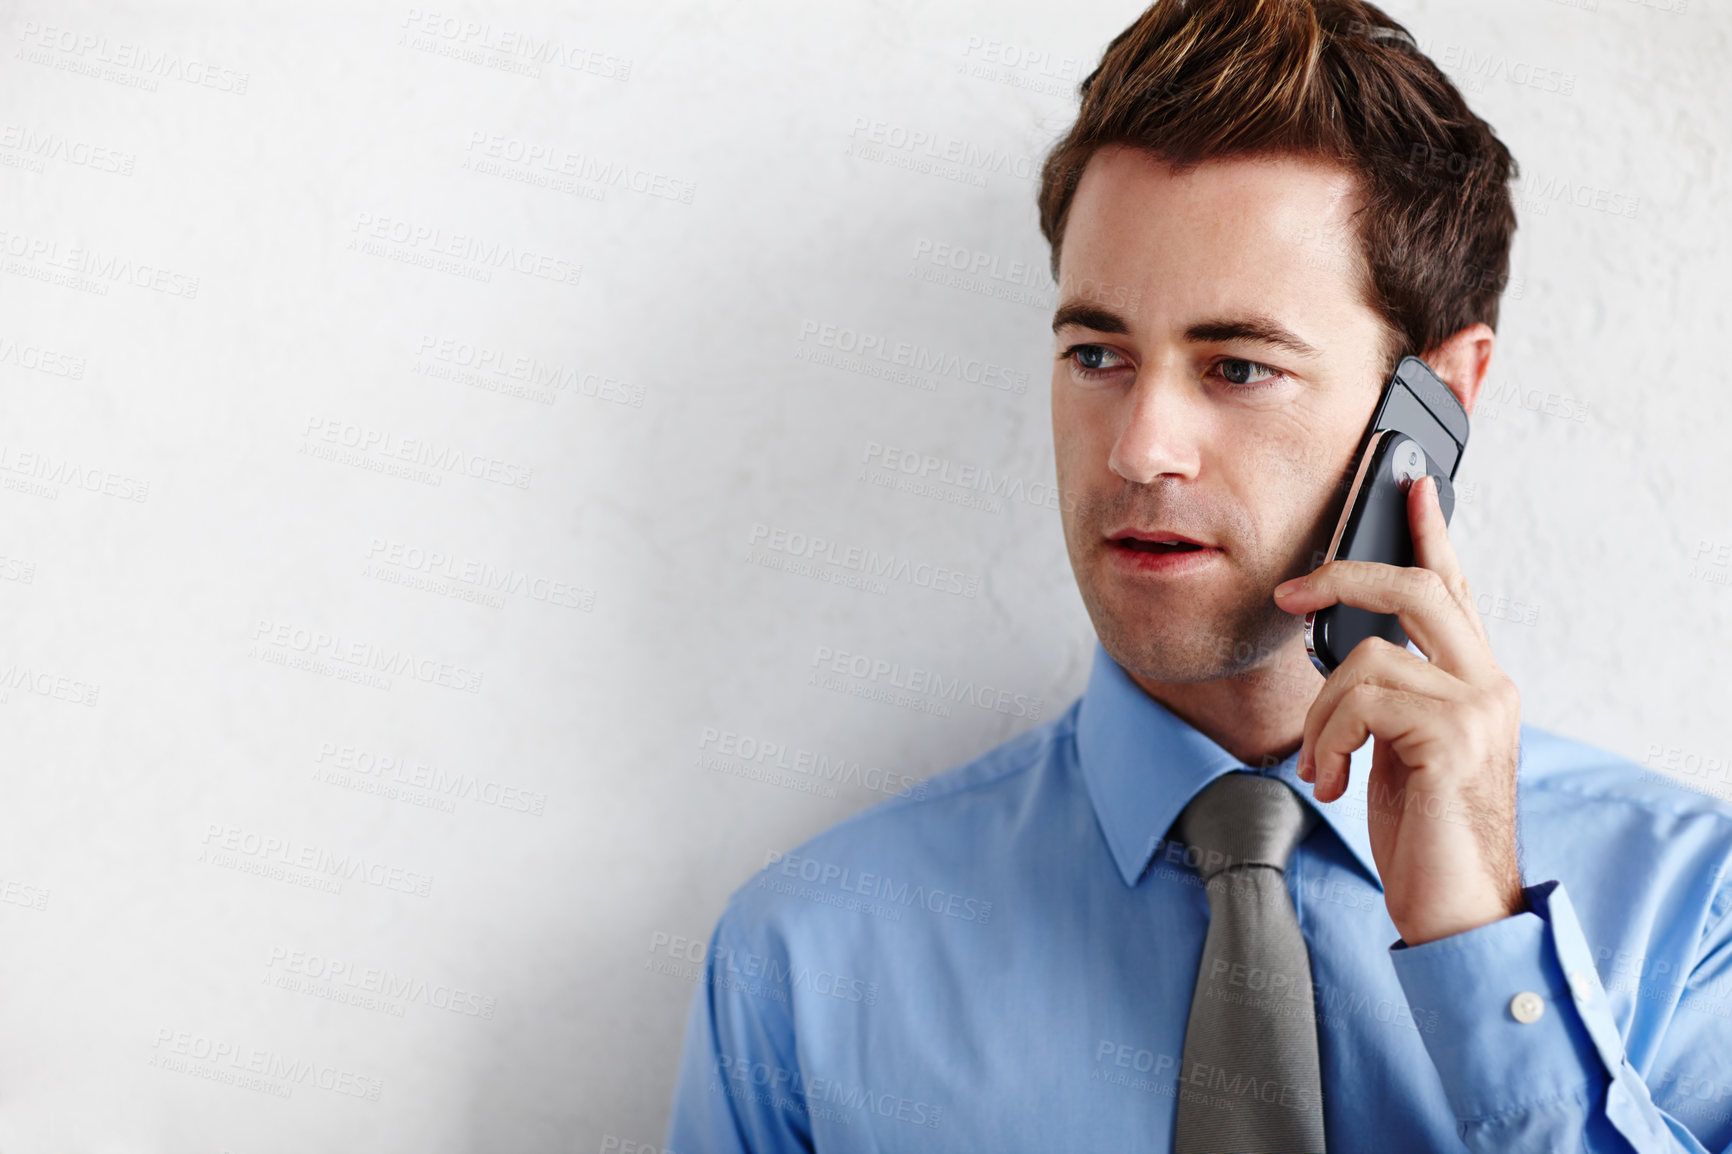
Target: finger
[(1390, 714), (1377, 662), (1432, 548), (1445, 630)]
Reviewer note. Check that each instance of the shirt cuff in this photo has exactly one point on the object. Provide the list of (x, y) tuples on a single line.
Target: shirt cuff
[(1510, 1033)]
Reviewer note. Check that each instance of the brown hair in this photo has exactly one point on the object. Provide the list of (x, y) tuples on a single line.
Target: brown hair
[(1337, 80)]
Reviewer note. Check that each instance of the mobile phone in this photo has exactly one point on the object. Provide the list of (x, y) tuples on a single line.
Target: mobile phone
[(1418, 428)]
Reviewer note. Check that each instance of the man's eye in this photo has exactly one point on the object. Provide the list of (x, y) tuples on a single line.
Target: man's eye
[(1091, 359), (1241, 372)]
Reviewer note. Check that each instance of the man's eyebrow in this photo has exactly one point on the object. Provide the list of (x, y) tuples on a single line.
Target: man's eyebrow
[(1255, 328), (1089, 317)]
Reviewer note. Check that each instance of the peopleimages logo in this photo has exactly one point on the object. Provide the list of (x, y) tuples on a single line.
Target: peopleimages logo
[(279, 637), (529, 48), (54, 472), (768, 975), (943, 470), (34, 147), (225, 843), (868, 347), (81, 261), (965, 154), (874, 887), (328, 976), (218, 1059), (327, 437), (753, 753), (87, 53), (557, 161), (479, 575), (496, 365), (976, 262), (41, 360), (380, 232), (820, 1097), (929, 682), (859, 559), (24, 679)]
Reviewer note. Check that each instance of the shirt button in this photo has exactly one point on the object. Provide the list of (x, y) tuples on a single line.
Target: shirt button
[(1526, 1007), (1582, 985)]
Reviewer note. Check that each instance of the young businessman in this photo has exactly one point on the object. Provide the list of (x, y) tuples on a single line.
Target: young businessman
[(1199, 910)]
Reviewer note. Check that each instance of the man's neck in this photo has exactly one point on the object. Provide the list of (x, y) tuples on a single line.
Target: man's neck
[(1258, 716)]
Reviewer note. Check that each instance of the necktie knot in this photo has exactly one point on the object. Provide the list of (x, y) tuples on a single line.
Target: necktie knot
[(1243, 818)]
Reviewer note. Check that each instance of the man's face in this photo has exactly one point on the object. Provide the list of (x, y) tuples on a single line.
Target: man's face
[(1216, 365)]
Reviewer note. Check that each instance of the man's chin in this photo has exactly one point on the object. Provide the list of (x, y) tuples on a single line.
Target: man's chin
[(1177, 661), (1160, 648)]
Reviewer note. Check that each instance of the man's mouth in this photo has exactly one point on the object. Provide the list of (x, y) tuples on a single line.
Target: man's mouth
[(1141, 546), (1157, 542)]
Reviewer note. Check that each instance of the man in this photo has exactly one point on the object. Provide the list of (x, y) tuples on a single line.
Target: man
[(1199, 910)]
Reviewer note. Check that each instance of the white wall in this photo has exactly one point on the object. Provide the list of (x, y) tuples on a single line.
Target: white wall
[(173, 538)]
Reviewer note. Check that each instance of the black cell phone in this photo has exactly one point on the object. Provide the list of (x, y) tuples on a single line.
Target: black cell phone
[(1418, 428)]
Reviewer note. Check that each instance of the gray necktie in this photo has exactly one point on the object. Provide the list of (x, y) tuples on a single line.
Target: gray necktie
[(1249, 1083)]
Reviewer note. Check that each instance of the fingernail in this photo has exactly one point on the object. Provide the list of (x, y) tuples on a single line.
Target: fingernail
[(1286, 588)]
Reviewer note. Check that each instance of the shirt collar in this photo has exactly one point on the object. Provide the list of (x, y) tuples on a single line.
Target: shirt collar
[(1142, 765)]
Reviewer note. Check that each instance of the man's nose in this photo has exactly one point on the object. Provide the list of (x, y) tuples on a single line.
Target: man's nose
[(1160, 422)]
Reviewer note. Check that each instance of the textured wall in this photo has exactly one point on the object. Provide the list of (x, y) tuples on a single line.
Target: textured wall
[(396, 413)]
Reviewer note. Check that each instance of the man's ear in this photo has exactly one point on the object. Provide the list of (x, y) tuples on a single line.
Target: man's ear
[(1462, 360)]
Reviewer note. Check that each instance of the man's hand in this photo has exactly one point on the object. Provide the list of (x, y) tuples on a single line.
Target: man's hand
[(1442, 794)]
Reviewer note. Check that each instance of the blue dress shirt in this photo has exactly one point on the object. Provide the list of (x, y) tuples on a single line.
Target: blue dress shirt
[(1005, 964)]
